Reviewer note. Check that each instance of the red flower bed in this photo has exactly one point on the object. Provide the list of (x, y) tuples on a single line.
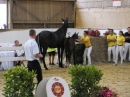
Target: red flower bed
[(106, 92)]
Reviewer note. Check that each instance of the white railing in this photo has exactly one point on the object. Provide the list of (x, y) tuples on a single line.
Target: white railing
[(11, 58)]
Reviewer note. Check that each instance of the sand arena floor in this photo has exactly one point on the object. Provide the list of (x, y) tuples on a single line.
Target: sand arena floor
[(115, 77)]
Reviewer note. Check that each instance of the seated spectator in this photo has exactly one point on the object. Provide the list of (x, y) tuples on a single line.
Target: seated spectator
[(16, 43), (91, 32), (5, 26), (18, 53)]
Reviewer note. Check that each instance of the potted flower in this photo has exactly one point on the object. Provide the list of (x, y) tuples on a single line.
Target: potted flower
[(106, 92)]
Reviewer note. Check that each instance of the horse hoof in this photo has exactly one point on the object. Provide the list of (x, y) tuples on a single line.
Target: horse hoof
[(61, 66), (46, 69), (65, 66)]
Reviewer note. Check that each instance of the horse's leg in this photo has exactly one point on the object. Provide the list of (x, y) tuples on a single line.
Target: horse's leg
[(66, 57), (44, 54), (59, 55), (61, 64), (41, 52), (74, 56), (69, 56)]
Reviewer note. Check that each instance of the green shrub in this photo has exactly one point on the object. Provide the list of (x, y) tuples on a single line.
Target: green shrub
[(84, 82), (79, 51), (19, 82)]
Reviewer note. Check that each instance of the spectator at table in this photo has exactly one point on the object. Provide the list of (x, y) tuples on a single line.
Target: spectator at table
[(18, 53), (16, 43)]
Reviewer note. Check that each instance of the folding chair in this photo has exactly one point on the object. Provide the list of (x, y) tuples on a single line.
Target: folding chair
[(19, 63)]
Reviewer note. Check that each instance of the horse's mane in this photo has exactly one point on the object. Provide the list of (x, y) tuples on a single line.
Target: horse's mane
[(64, 25), (73, 35)]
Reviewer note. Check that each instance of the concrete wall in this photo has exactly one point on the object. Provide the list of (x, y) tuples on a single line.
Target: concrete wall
[(101, 14), (103, 18), (22, 35)]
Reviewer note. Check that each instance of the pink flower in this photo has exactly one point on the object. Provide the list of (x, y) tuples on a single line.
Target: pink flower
[(107, 93)]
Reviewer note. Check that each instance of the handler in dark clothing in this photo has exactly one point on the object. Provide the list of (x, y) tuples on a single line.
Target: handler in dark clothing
[(32, 55), (127, 44)]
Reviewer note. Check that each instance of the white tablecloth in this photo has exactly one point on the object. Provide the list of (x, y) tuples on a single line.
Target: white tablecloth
[(6, 64)]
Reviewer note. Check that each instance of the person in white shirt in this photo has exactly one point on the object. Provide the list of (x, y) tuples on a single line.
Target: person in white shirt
[(18, 53), (32, 55), (16, 43)]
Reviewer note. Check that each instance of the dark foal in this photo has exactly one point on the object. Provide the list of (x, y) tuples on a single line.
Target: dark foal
[(70, 48)]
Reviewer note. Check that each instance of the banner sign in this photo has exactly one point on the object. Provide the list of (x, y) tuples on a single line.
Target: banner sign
[(116, 2)]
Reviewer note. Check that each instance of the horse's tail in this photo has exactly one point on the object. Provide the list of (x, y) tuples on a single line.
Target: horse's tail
[(39, 45)]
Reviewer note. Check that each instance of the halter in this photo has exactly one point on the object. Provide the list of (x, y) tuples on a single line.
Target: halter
[(68, 34)]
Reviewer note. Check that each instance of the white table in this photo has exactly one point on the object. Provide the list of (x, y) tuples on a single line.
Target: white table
[(6, 64)]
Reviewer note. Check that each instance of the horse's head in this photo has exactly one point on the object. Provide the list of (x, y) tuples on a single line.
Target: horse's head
[(65, 22), (75, 35)]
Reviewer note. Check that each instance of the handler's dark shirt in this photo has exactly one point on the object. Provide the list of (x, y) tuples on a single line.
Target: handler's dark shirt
[(127, 40)]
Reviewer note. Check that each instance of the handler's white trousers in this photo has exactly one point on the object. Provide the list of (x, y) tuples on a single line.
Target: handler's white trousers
[(127, 49), (87, 53), (113, 49), (119, 49)]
